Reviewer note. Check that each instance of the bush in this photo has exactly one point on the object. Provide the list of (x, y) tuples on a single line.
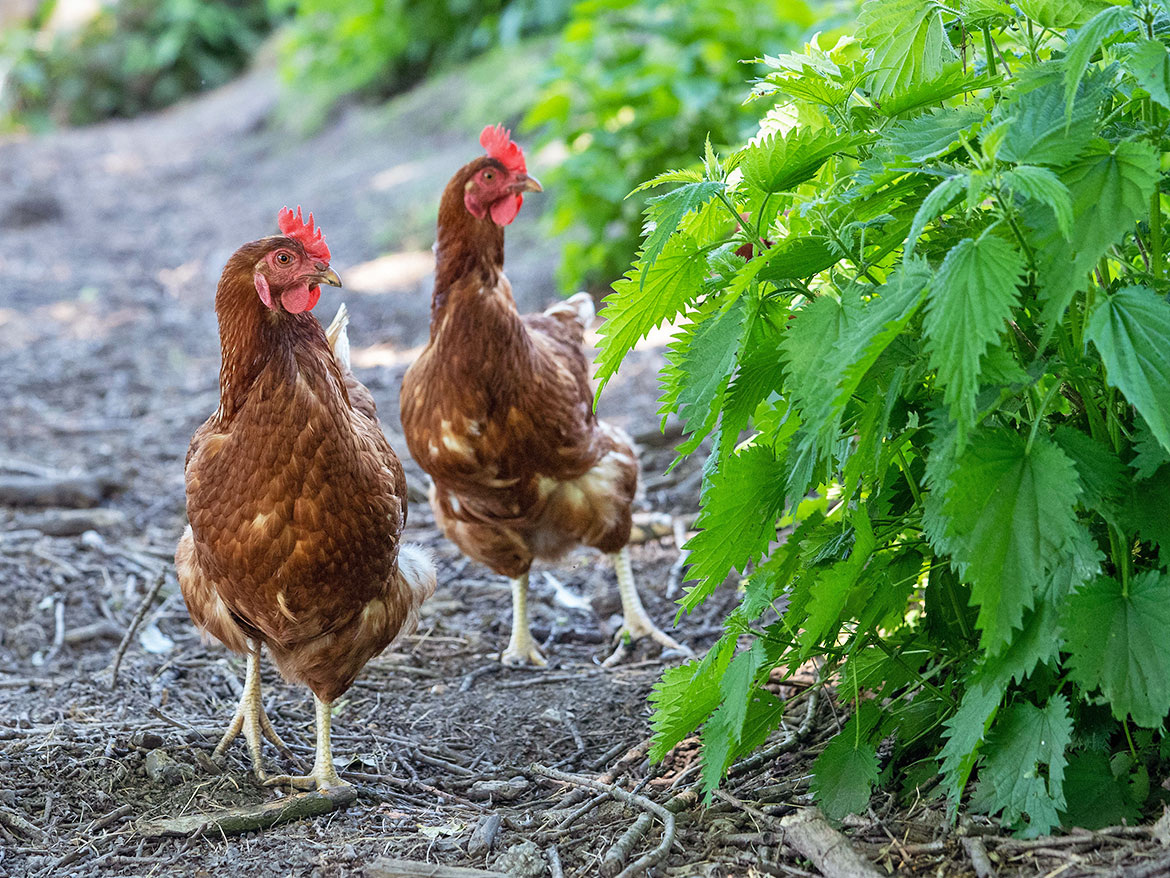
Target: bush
[(335, 48), (636, 87), (134, 56), (923, 319)]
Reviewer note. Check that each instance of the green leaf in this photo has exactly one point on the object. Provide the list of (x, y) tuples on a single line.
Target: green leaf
[(1061, 14), (1101, 473), (1011, 510), (1104, 24), (974, 293), (1111, 188), (1150, 65), (1149, 453), (1040, 184), (799, 257), (678, 176), (965, 730), (740, 504), (939, 199), (1131, 331), (634, 308), (908, 42), (835, 586), (919, 95), (705, 368), (846, 771), (665, 212), (1117, 641), (1012, 779), (779, 163), (1039, 131), (1096, 798), (929, 136), (686, 696)]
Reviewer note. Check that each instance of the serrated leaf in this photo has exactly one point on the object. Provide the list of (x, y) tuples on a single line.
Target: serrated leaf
[(846, 771), (1011, 509), (779, 163), (965, 730), (1095, 798), (908, 41), (918, 94), (1131, 331), (1149, 453), (1089, 38), (929, 136), (1111, 188), (1039, 131), (1150, 65), (740, 504), (1012, 779), (686, 696), (974, 293), (1061, 14), (679, 176), (665, 212), (1117, 641), (1040, 184), (1101, 473), (799, 257), (835, 585), (705, 369), (634, 308), (940, 198)]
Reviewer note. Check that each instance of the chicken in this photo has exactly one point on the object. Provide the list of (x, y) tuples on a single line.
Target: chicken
[(498, 408), (295, 499)]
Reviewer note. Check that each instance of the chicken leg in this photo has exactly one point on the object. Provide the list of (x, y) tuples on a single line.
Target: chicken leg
[(636, 624), (521, 647), (324, 775), (250, 716)]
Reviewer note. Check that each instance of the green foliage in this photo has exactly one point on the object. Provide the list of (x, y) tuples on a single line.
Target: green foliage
[(634, 88), (133, 56), (934, 295), (335, 48)]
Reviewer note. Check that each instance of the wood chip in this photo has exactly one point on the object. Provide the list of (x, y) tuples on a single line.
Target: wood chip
[(248, 818), (385, 868)]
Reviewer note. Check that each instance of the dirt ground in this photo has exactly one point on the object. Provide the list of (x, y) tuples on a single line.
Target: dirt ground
[(112, 240)]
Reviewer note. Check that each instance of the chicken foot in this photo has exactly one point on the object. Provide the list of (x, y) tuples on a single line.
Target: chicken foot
[(250, 717), (324, 774), (521, 649), (636, 623)]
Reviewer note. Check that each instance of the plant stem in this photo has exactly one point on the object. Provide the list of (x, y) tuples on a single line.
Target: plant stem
[(1156, 234), (989, 50)]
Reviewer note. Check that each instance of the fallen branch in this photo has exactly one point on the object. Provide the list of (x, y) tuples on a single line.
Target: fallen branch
[(619, 851), (18, 824), (648, 859), (809, 833), (787, 743), (134, 623), (384, 868), (249, 818)]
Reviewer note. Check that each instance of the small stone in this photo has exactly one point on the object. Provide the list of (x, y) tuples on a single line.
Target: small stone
[(498, 790), (7, 797), (161, 768), (522, 860), (147, 740)]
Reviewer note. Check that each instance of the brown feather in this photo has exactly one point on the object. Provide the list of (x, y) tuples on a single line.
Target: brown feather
[(295, 500), (498, 410)]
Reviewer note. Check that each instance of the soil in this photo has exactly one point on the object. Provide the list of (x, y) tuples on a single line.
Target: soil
[(112, 240)]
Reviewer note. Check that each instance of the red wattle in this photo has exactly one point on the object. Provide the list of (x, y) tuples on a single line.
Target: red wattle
[(505, 210), (299, 298)]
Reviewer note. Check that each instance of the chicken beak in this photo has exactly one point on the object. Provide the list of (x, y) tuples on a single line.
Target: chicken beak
[(328, 276), (525, 183)]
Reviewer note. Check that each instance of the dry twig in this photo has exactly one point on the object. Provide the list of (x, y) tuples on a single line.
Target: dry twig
[(810, 833), (648, 859), (139, 614)]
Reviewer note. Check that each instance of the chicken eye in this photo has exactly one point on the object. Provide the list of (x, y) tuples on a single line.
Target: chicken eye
[(488, 176), (283, 258)]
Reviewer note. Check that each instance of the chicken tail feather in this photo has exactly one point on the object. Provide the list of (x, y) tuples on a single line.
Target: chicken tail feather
[(416, 574), (338, 336), (579, 307)]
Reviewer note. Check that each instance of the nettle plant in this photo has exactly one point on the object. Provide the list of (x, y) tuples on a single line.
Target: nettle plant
[(923, 329)]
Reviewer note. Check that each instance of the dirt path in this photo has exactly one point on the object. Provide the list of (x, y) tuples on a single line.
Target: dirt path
[(112, 240)]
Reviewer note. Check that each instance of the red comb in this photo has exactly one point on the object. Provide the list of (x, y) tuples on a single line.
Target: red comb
[(293, 225), (497, 140)]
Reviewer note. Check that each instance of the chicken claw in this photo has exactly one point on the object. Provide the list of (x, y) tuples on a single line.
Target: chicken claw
[(250, 717), (521, 649), (636, 624), (324, 775)]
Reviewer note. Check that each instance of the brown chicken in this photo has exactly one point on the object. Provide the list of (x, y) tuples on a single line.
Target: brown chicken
[(498, 408), (295, 499)]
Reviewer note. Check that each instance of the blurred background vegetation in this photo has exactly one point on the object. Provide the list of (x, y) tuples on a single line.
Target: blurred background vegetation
[(628, 89)]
